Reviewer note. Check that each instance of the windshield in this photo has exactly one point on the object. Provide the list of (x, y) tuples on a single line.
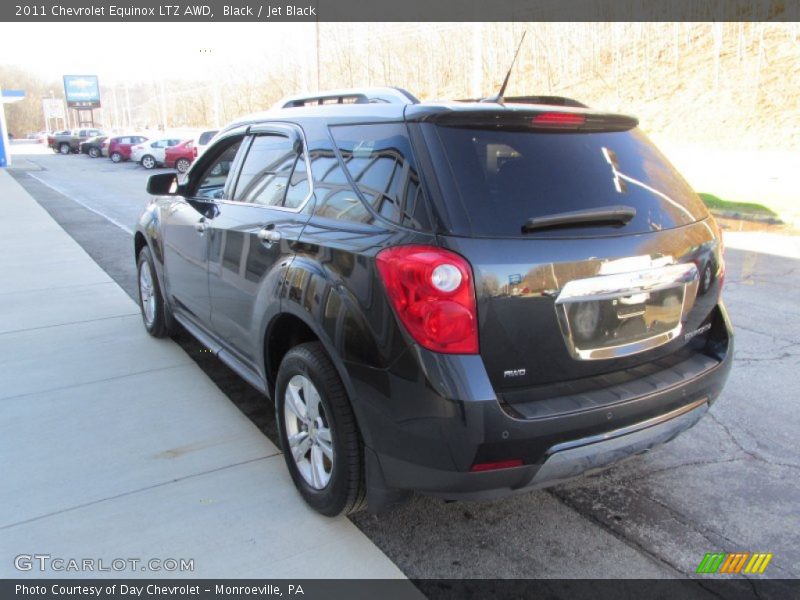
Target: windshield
[(503, 178)]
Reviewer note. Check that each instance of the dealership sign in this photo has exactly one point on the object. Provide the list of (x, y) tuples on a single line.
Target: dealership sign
[(82, 91)]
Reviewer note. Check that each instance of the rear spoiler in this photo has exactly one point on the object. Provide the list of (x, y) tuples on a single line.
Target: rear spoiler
[(527, 120)]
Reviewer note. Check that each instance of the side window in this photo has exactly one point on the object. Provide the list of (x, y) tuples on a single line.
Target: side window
[(266, 171), (298, 189), (336, 198), (380, 162), (211, 183)]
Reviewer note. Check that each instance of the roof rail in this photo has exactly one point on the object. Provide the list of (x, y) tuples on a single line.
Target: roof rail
[(382, 95), (547, 100)]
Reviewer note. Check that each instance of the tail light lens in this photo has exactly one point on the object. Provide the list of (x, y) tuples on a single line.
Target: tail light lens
[(194, 151), (432, 293)]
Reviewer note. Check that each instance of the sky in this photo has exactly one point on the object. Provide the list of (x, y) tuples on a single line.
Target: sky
[(129, 52)]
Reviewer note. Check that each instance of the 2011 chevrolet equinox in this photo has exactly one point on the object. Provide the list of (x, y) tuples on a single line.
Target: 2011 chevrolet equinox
[(462, 299)]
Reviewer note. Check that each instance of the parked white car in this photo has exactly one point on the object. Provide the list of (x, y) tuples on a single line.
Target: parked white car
[(203, 140), (151, 153)]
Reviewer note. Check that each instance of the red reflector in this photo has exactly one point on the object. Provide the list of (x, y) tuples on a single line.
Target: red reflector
[(493, 466), (558, 119)]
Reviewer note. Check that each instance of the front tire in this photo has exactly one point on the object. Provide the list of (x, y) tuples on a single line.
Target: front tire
[(116, 157), (182, 165), (321, 442), (156, 315), (148, 162), (64, 149), (94, 152)]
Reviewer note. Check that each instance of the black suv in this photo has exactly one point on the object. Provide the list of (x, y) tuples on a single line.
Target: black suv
[(462, 299)]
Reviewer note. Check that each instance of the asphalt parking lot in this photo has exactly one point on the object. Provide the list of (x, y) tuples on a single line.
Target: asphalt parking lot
[(729, 485)]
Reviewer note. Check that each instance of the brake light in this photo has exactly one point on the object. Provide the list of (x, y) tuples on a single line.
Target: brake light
[(493, 466), (432, 293), (558, 119), (194, 151)]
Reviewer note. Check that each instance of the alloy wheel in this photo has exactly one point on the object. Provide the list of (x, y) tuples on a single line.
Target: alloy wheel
[(308, 432), (147, 293)]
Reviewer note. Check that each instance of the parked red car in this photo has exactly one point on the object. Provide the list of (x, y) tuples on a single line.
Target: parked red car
[(180, 157), (119, 148)]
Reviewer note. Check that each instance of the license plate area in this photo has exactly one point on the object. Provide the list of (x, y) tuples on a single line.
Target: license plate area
[(617, 315)]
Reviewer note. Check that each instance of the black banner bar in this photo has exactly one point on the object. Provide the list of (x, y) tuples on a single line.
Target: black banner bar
[(702, 588), (396, 10)]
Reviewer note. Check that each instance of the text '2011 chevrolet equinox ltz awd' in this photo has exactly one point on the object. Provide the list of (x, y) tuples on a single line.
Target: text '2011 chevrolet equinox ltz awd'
[(461, 299)]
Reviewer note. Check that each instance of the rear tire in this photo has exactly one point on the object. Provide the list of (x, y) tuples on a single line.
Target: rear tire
[(148, 162), (64, 149), (94, 152), (325, 457), (116, 157), (156, 315), (182, 165)]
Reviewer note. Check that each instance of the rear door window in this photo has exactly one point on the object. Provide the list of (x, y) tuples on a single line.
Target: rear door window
[(505, 177)]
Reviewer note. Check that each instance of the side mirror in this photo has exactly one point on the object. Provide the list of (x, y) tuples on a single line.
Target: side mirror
[(162, 184)]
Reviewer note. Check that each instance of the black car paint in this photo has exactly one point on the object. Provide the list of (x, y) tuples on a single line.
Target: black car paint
[(425, 417)]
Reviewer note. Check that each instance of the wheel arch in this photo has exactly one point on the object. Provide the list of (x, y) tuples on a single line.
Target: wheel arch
[(290, 328), (148, 234)]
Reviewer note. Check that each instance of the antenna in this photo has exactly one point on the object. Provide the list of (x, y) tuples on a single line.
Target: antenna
[(499, 96)]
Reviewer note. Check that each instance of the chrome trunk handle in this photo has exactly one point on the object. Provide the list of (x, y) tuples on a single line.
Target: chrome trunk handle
[(604, 287)]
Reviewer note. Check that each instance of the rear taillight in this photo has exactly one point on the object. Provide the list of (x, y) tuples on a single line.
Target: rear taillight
[(432, 293), (558, 119), (194, 151)]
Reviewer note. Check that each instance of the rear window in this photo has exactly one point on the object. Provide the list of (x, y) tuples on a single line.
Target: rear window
[(504, 177)]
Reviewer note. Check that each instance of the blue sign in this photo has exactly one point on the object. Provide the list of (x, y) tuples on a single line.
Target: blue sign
[(3, 159), (9, 96), (82, 91)]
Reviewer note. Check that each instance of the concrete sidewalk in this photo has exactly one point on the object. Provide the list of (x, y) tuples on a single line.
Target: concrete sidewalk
[(116, 445)]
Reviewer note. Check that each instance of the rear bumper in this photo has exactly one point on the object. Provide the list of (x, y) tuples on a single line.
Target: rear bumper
[(432, 452)]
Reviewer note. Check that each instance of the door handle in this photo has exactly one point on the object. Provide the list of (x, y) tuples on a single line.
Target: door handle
[(200, 227), (269, 236)]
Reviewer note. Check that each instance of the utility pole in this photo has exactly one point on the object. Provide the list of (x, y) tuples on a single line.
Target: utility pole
[(116, 106), (316, 31), (128, 104), (477, 61)]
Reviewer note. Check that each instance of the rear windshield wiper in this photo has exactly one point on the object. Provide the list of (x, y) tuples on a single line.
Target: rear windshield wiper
[(612, 215)]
